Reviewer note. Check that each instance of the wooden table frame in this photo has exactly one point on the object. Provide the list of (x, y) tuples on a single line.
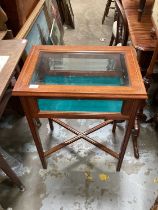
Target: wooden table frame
[(132, 97)]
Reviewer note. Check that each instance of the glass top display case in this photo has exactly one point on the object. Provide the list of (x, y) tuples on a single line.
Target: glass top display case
[(86, 72), (85, 69), (71, 74), (81, 82)]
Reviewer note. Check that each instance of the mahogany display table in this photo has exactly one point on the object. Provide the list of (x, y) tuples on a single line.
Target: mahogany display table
[(89, 82)]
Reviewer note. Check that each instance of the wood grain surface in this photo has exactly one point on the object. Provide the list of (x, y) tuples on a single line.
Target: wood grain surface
[(134, 90), (140, 32), (13, 49), (134, 4), (2, 34)]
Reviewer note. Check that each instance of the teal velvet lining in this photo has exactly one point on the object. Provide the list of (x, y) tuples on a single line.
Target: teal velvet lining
[(77, 105), (71, 105), (83, 80)]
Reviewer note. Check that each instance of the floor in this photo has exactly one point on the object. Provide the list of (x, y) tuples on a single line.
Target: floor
[(79, 177), (88, 27)]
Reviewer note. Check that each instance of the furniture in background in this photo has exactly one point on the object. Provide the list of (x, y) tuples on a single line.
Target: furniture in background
[(66, 13), (141, 9), (107, 8), (7, 34), (150, 72), (36, 29), (140, 33), (10, 53), (155, 16), (148, 79), (138, 5), (142, 6), (155, 25), (55, 20), (120, 37), (120, 26), (77, 82), (130, 4), (17, 12), (40, 28), (150, 69)]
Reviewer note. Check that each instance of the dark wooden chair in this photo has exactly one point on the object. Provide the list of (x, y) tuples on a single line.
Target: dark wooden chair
[(120, 26), (106, 11), (3, 163)]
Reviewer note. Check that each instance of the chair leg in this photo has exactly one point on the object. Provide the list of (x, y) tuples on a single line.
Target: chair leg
[(51, 124), (106, 12), (112, 40), (10, 173), (141, 9), (135, 134), (116, 41)]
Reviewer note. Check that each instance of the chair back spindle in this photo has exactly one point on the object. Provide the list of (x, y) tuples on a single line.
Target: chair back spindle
[(120, 30)]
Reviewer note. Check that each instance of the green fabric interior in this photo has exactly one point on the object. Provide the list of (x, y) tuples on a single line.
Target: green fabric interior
[(83, 80), (83, 105), (80, 105)]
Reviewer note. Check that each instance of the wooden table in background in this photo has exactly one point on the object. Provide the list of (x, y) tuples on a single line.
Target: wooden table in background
[(140, 32), (139, 5), (134, 4), (13, 49)]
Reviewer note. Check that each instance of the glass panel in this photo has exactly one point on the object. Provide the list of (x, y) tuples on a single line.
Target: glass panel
[(78, 105), (86, 69)]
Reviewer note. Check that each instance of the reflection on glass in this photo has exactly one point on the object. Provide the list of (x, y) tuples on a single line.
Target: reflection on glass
[(86, 69)]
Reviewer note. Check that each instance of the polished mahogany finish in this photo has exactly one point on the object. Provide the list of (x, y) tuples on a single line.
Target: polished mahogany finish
[(140, 32), (81, 76), (140, 6)]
